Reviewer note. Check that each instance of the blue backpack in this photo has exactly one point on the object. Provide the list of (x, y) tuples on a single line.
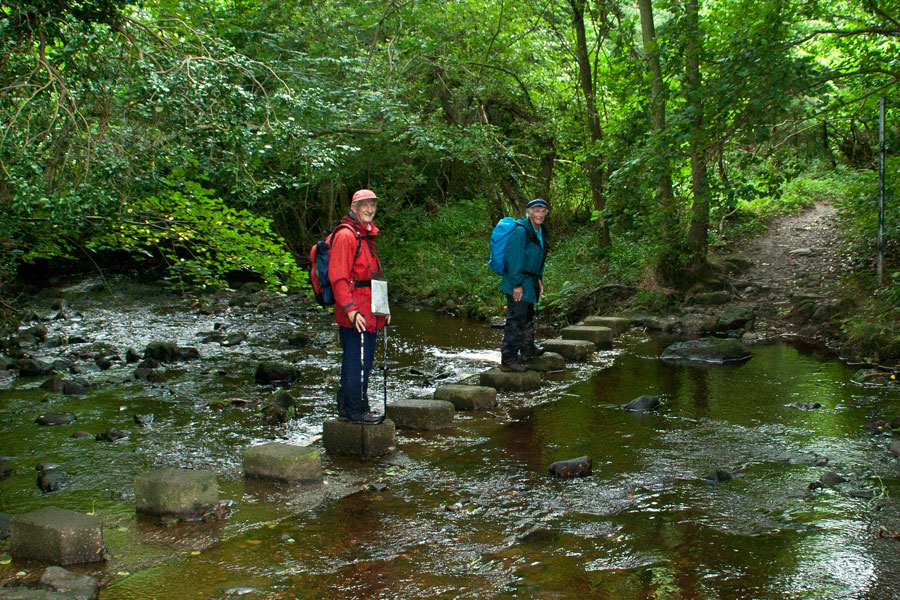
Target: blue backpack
[(499, 240), (318, 266)]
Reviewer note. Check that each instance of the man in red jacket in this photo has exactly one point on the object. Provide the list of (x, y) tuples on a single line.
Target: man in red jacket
[(352, 262)]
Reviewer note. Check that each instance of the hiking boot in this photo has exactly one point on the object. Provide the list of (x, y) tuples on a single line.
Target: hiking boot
[(368, 418), (513, 367)]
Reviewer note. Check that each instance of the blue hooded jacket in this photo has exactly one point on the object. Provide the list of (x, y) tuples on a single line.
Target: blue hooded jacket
[(524, 261)]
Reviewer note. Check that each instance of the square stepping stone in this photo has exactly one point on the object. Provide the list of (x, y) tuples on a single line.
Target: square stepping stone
[(284, 462), (57, 536), (617, 324), (600, 336), (526, 381), (421, 414), (467, 397), (572, 350), (548, 361), (355, 439), (176, 492)]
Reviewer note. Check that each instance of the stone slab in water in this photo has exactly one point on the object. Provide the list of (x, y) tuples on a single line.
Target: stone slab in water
[(58, 536), (707, 350), (77, 586), (599, 336), (548, 361), (355, 439), (421, 414), (617, 324), (175, 492), (467, 397), (572, 350), (284, 462), (526, 381)]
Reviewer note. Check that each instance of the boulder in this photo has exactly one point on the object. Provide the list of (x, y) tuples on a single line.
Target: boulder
[(718, 476), (421, 414), (500, 380), (642, 404), (599, 336), (50, 480), (32, 367), (546, 362), (467, 397), (734, 317), (175, 492), (574, 467), (571, 350), (355, 439), (616, 324), (271, 373), (74, 388), (56, 418), (168, 352), (58, 536), (707, 350), (5, 469), (711, 298), (283, 462), (78, 587)]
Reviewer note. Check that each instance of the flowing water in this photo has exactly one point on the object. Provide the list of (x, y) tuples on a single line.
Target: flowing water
[(466, 512)]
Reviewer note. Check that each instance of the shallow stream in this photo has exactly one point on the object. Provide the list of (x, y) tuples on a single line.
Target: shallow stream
[(467, 512)]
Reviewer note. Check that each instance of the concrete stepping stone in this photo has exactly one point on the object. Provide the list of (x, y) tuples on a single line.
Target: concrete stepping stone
[(526, 381), (617, 324), (421, 414), (355, 439), (176, 492), (548, 361), (57, 536), (572, 350), (283, 462), (599, 336), (467, 397)]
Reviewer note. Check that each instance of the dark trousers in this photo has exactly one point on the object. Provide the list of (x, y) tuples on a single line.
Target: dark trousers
[(518, 335), (355, 396)]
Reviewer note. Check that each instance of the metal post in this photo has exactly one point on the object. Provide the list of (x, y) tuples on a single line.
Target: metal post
[(880, 260)]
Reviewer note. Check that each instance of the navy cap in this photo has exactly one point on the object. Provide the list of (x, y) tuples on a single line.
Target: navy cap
[(538, 202)]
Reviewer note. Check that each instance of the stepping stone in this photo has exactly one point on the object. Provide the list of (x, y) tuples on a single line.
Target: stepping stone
[(599, 336), (421, 414), (572, 350), (176, 492), (355, 439), (467, 397), (617, 324), (57, 536), (72, 585), (526, 381), (284, 462), (548, 361)]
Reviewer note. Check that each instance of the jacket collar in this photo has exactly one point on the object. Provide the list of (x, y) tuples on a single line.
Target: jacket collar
[(351, 220)]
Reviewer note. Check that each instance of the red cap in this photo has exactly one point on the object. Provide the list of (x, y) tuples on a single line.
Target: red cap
[(363, 195)]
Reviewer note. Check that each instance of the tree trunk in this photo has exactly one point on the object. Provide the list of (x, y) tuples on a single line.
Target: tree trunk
[(545, 175), (658, 98), (592, 163), (699, 231)]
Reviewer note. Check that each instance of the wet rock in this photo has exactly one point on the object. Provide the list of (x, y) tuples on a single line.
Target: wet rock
[(285, 462), (618, 325), (599, 336), (831, 479), (804, 405), (77, 339), (82, 434), (424, 415), (874, 377), (497, 322), (78, 587), (574, 467), (707, 350), (5, 520), (467, 397), (271, 373), (510, 382), (54, 384), (144, 420), (168, 352), (300, 339), (734, 317), (284, 400), (698, 323), (32, 367), (877, 426), (5, 469), (132, 356), (547, 362), (711, 298), (74, 388), (654, 323), (643, 404), (57, 536), (274, 415), (113, 435), (39, 332), (718, 476), (56, 418), (862, 494), (104, 362), (571, 350), (60, 365), (894, 447), (176, 492), (233, 339), (354, 439), (51, 480)]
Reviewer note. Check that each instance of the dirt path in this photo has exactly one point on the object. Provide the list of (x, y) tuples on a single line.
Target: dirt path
[(792, 271)]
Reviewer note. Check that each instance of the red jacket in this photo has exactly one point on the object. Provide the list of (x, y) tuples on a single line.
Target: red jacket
[(344, 272)]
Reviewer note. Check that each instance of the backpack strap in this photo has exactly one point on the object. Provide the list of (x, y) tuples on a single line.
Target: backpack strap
[(531, 236), (358, 238)]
